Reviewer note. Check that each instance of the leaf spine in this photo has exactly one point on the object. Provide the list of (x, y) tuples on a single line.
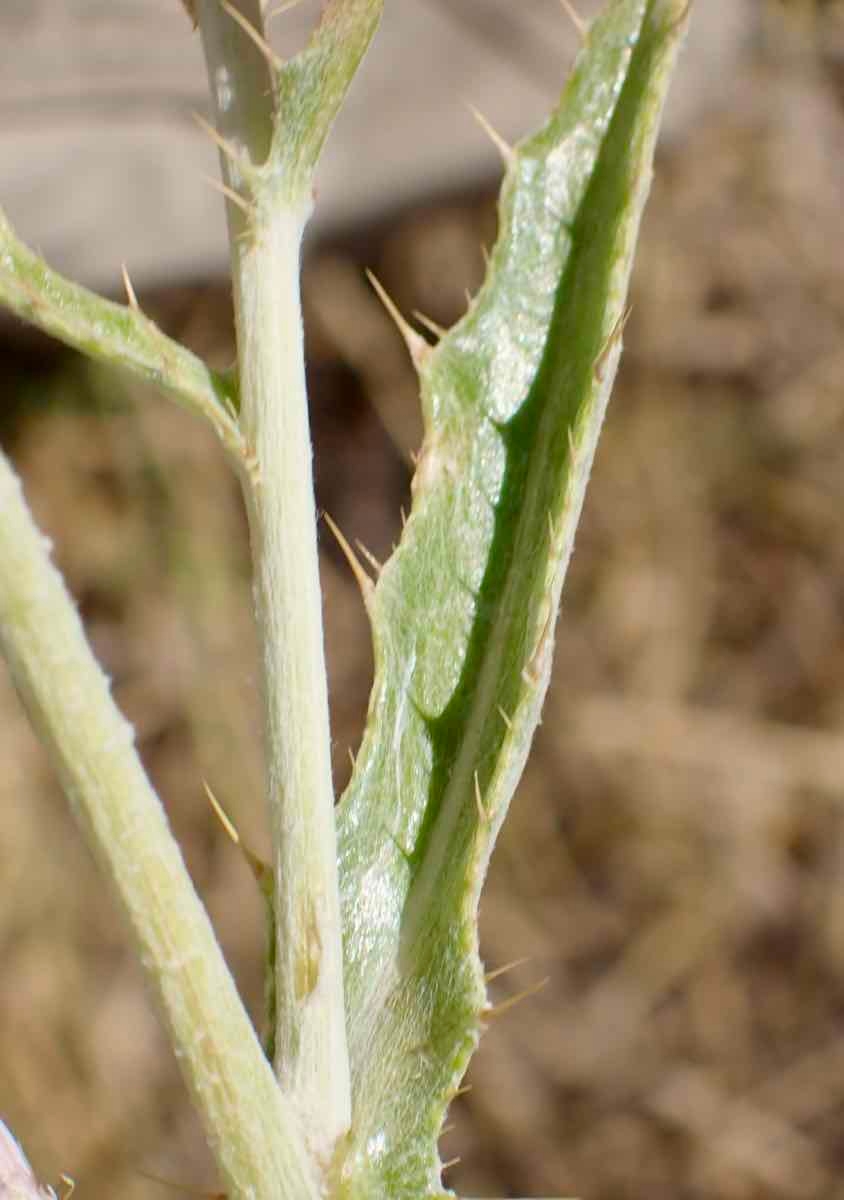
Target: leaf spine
[(131, 297), (369, 556), (580, 24), (510, 966), (483, 815), (491, 1012), (259, 868), (227, 148), (231, 194), (613, 339), (416, 344), (437, 330), (282, 8), (363, 581), (273, 60), (505, 150), (507, 720)]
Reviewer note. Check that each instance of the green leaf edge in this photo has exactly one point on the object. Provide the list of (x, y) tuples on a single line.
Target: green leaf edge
[(512, 412), (117, 334)]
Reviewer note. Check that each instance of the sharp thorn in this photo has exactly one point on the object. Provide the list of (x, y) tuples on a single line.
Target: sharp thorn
[(510, 966), (221, 814), (447, 1129), (507, 721), (416, 344), (452, 1162), (615, 336), (259, 868), (468, 296), (130, 291), (282, 8), (222, 144), (505, 150), (273, 60), (351, 756), (498, 1010), (369, 556), (230, 194), (486, 255), (581, 25), (463, 1090), (361, 578), (483, 815), (403, 516), (432, 326)]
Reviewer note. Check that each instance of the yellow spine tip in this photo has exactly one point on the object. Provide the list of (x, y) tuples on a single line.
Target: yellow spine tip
[(437, 330), (491, 1012), (505, 150), (510, 966), (273, 61), (225, 147), (581, 25), (131, 297), (369, 556), (363, 581), (416, 344)]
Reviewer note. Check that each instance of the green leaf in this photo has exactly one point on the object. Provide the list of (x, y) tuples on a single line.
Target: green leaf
[(464, 612), (115, 333)]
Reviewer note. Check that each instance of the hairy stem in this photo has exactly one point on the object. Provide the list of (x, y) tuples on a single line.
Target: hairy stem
[(311, 1056), (250, 1125)]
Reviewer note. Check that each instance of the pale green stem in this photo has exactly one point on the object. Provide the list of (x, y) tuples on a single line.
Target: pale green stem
[(311, 1055), (252, 1130)]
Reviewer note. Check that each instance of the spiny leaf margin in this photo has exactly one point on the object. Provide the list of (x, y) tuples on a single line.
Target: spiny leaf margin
[(118, 334), (464, 612)]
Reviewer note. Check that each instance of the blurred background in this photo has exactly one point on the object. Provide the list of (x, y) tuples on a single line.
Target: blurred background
[(674, 859)]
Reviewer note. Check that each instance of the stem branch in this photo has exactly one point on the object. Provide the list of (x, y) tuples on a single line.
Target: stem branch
[(311, 1055)]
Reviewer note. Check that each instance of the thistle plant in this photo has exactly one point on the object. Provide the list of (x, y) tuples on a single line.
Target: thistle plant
[(376, 989)]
